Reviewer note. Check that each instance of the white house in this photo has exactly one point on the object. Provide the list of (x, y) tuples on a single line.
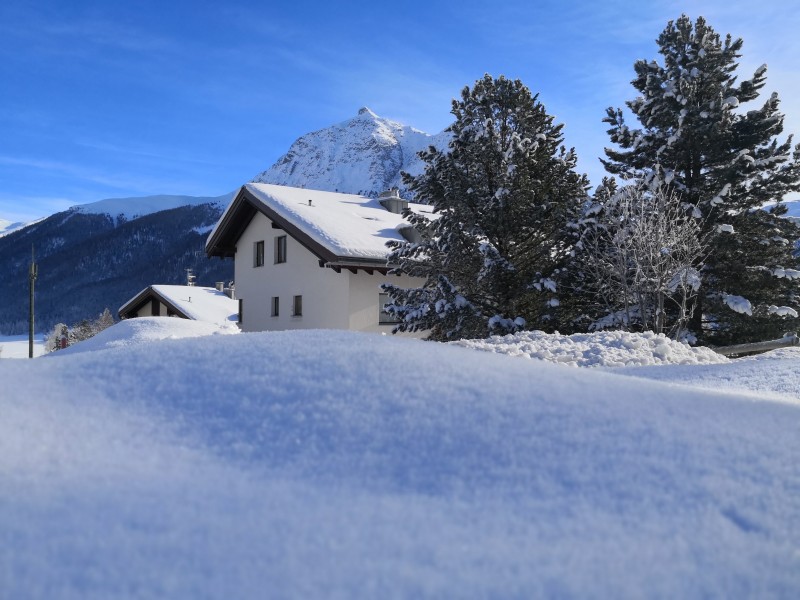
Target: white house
[(311, 259), (187, 302)]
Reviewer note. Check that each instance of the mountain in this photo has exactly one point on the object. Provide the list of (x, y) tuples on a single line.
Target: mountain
[(101, 254), (363, 155), (90, 259), (126, 209), (7, 227)]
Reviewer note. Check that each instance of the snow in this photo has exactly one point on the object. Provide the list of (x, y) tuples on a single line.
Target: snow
[(346, 224), (144, 330), (200, 303), (362, 155), (601, 349), (782, 311), (769, 375), (132, 208), (780, 272), (317, 464), (7, 227), (738, 304), (687, 277), (731, 101), (16, 346)]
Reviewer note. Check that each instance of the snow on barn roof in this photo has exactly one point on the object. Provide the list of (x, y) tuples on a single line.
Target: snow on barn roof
[(192, 302), (333, 225)]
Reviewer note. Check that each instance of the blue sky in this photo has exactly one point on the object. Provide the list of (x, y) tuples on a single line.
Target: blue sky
[(112, 99)]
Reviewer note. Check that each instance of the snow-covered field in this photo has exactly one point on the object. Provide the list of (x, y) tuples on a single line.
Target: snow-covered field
[(16, 346), (334, 464)]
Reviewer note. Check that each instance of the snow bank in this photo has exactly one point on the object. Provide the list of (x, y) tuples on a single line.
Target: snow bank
[(144, 330), (330, 464), (602, 349)]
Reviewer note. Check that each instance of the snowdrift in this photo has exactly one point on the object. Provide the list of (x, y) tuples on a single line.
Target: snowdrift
[(602, 349), (333, 464)]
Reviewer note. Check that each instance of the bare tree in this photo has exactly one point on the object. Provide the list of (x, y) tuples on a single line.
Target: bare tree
[(642, 255)]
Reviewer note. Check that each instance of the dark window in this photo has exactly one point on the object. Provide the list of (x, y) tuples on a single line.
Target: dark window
[(275, 306), (280, 249), (297, 306), (155, 307), (240, 310), (258, 254), (385, 318)]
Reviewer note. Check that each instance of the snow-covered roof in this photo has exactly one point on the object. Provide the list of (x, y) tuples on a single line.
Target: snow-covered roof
[(197, 303), (343, 226)]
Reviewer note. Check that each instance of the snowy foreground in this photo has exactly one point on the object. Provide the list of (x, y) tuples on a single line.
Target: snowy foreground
[(332, 464)]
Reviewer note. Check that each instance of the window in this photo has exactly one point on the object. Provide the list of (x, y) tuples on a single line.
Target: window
[(280, 249), (385, 318), (297, 306), (240, 310), (275, 306), (155, 307), (258, 254)]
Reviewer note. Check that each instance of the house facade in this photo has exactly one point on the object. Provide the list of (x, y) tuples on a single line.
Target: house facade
[(308, 259)]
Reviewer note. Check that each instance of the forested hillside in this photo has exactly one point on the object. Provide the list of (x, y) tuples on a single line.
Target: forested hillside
[(91, 261)]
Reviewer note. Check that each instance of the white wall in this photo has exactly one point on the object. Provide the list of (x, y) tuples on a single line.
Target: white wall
[(364, 307), (324, 291), (331, 300)]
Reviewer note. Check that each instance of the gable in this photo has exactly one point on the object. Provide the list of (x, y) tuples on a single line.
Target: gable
[(146, 296)]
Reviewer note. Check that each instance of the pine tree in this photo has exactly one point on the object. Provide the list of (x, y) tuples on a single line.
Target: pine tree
[(725, 163), (503, 192)]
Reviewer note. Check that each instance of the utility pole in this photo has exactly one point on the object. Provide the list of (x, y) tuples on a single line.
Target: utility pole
[(32, 273)]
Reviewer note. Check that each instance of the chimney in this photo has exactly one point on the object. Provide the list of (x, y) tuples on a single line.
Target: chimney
[(391, 201), (220, 285)]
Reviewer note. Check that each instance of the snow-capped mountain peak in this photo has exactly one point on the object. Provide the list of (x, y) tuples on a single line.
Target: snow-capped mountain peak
[(365, 110), (362, 155)]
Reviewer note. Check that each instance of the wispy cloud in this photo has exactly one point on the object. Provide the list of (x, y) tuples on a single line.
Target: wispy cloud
[(78, 172), (133, 150), (26, 208)]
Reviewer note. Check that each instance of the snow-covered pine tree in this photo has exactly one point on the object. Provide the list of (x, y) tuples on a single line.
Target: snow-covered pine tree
[(726, 163), (53, 341), (504, 192)]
